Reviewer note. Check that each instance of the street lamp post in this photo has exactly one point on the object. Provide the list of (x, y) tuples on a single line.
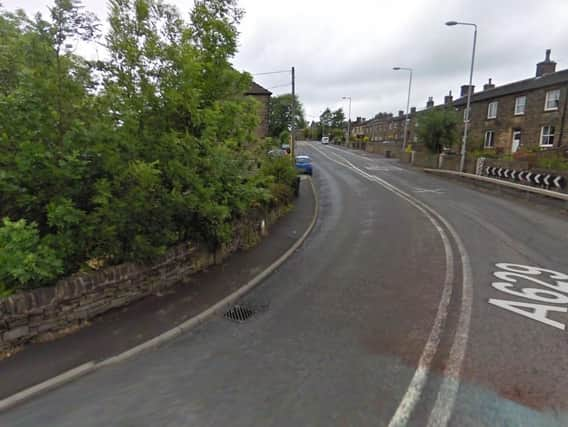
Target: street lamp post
[(348, 120), (407, 104), (469, 90)]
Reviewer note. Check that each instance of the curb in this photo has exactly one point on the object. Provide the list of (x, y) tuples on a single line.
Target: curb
[(89, 367), (47, 385), (498, 182)]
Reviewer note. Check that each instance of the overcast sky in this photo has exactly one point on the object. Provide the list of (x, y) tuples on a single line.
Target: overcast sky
[(342, 48)]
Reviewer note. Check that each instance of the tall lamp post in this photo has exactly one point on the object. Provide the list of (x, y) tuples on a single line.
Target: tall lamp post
[(468, 108), (407, 103), (348, 120)]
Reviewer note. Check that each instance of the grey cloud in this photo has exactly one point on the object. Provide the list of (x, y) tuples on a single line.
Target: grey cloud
[(348, 48), (334, 61)]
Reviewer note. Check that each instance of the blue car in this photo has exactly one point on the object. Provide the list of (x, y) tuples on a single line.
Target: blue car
[(304, 164)]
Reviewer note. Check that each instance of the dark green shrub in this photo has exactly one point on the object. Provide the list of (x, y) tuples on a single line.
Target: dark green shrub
[(25, 261)]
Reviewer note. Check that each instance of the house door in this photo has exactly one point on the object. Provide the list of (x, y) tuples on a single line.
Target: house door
[(516, 141)]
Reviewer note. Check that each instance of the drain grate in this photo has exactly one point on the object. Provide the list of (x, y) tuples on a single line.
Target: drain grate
[(239, 313)]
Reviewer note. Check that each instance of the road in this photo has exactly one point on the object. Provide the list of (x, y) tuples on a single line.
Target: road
[(415, 301)]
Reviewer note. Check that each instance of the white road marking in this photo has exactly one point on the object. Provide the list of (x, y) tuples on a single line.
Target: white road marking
[(538, 312), (428, 190), (368, 158), (382, 168), (445, 401)]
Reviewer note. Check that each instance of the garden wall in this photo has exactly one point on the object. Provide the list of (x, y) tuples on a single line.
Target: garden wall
[(44, 312)]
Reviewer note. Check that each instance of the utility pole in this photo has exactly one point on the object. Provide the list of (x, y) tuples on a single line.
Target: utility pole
[(348, 121), (293, 127), (466, 120), (407, 118)]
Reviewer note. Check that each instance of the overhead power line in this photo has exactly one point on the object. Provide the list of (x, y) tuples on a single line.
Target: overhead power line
[(276, 87), (271, 72)]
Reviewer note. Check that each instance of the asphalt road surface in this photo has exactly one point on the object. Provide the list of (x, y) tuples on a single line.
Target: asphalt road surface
[(415, 301)]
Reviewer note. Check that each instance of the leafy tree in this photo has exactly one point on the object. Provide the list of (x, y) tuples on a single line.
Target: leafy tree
[(338, 119), (326, 118), (437, 128), (119, 160), (280, 116)]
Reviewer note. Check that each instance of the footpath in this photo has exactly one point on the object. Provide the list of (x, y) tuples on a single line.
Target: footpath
[(118, 331)]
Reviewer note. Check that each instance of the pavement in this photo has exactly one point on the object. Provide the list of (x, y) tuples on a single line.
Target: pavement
[(414, 301), (120, 330)]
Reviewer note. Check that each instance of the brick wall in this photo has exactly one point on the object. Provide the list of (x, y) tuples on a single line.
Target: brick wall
[(40, 313)]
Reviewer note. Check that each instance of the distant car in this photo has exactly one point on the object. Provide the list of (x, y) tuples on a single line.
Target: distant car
[(304, 164), (325, 140), (286, 147)]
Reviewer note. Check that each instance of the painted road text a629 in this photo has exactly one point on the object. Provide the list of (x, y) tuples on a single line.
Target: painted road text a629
[(551, 295)]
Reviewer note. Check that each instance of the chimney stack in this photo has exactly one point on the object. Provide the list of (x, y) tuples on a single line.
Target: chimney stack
[(400, 113), (488, 85), (448, 99), (412, 110), (545, 67), (465, 88), (430, 102)]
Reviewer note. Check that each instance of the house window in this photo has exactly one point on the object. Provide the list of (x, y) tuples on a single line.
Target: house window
[(547, 136), (492, 110), (489, 139), (520, 105), (552, 100)]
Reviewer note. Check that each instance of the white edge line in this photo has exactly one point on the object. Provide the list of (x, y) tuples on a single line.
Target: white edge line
[(447, 394), (88, 367)]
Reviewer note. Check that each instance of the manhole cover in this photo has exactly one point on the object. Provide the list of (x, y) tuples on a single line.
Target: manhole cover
[(239, 313)]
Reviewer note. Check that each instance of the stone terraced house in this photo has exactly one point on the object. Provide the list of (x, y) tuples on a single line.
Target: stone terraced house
[(526, 113), (263, 96)]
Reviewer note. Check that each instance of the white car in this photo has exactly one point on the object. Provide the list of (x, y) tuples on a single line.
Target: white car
[(325, 140)]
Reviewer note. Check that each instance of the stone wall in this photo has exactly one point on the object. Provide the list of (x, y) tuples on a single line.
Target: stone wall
[(524, 166), (41, 313), (393, 150), (425, 160)]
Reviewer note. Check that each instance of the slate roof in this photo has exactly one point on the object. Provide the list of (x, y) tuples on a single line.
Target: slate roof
[(256, 89), (526, 85)]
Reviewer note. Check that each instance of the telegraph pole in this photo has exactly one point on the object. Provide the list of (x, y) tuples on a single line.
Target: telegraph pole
[(293, 127)]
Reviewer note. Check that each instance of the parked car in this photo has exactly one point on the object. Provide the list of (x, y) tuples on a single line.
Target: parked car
[(304, 164), (286, 147), (325, 140)]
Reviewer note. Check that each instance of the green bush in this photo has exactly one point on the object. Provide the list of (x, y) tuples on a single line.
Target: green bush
[(280, 170), (25, 261), (437, 128), (338, 135), (553, 163)]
